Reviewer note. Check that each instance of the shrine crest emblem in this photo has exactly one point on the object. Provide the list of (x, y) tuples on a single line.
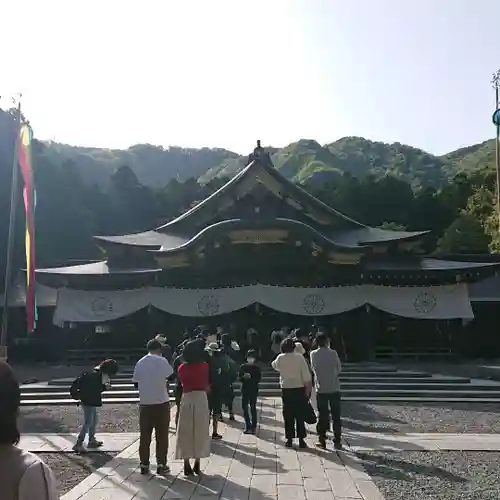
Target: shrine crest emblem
[(424, 303), (313, 304), (208, 305), (101, 306)]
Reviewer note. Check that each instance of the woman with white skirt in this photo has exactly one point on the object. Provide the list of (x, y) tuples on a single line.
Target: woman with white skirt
[(193, 439)]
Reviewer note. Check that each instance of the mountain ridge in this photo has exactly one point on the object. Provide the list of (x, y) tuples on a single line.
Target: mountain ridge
[(304, 161)]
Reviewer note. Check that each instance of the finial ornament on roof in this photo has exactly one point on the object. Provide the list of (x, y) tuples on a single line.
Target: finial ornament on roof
[(259, 154)]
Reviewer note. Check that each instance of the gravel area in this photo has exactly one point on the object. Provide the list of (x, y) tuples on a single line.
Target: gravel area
[(426, 417), (435, 475), (387, 418), (70, 469), (61, 419)]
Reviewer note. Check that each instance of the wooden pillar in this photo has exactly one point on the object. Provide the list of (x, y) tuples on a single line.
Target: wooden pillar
[(368, 334)]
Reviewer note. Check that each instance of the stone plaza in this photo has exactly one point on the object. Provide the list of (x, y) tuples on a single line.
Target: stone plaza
[(247, 467)]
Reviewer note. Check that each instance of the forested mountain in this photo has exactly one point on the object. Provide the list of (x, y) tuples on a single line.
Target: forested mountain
[(153, 165), (307, 162), (85, 191)]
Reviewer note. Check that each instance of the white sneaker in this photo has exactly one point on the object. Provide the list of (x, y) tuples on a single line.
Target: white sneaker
[(79, 448)]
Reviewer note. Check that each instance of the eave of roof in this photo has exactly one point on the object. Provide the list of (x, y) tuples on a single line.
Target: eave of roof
[(95, 269), (278, 223), (428, 264), (252, 169), (168, 236), (147, 240), (373, 236)]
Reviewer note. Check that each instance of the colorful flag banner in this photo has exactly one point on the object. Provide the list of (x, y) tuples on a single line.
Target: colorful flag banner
[(29, 196)]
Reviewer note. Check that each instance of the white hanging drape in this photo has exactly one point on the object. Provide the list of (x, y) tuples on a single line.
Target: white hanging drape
[(436, 302), (196, 302), (98, 306)]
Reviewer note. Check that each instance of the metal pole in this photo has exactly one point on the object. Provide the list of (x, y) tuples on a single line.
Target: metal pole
[(496, 84), (497, 156), (10, 240)]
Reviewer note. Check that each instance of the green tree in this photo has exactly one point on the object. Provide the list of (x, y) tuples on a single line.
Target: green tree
[(465, 235), (392, 226)]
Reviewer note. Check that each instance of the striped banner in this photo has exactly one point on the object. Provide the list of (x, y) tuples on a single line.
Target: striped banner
[(29, 196)]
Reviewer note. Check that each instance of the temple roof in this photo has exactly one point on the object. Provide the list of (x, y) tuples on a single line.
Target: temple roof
[(299, 222), (96, 268), (339, 229), (404, 264)]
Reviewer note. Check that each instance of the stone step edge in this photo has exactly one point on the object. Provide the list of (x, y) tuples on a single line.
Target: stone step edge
[(71, 402)]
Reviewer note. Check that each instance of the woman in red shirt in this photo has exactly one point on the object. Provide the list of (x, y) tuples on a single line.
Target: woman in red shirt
[(193, 440)]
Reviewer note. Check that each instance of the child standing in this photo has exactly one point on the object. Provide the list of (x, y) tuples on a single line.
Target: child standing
[(250, 376), (87, 389)]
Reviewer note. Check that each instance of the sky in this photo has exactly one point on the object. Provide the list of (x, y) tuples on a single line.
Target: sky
[(223, 73)]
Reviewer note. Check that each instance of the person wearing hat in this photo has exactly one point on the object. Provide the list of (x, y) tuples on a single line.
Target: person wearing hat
[(193, 440), (220, 382), (166, 350)]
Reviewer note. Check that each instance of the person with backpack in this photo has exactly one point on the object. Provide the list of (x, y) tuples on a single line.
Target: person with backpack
[(87, 389)]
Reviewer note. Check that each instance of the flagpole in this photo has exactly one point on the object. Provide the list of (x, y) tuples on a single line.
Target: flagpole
[(496, 85), (11, 239)]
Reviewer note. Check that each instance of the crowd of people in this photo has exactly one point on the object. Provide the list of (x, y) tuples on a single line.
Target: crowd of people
[(204, 368), (207, 364)]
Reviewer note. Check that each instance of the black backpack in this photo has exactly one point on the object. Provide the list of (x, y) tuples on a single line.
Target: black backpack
[(76, 387)]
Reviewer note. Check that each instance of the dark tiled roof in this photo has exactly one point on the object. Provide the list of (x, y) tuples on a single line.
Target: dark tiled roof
[(233, 224), (372, 235), (253, 169), (95, 268), (147, 239), (426, 264), (176, 233)]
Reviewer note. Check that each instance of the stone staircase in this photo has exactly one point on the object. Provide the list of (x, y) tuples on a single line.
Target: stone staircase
[(366, 382)]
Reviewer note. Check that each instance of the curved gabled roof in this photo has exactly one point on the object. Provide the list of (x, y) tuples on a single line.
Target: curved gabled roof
[(223, 227), (95, 269), (147, 240), (253, 170), (178, 232), (374, 235)]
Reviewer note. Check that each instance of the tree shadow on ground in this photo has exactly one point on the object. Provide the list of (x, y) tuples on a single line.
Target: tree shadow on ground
[(32, 420), (70, 468), (378, 465), (468, 406), (362, 417), (127, 479)]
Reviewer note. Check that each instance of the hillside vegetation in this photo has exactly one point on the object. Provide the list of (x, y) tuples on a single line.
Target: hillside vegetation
[(87, 191)]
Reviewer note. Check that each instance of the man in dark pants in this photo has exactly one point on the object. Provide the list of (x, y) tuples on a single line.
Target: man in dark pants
[(150, 377), (326, 367), (250, 376)]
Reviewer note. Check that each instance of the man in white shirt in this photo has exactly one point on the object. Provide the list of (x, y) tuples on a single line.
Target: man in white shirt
[(150, 377)]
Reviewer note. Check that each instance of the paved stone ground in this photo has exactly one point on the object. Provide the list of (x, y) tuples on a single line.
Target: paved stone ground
[(60, 443), (353, 441), (240, 467), (258, 467)]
